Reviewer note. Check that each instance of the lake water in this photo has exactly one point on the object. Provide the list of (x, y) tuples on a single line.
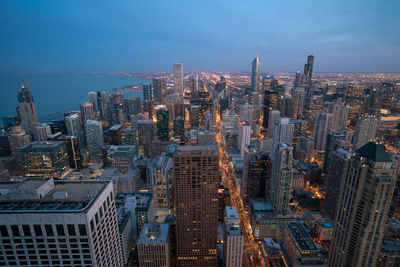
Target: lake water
[(57, 93)]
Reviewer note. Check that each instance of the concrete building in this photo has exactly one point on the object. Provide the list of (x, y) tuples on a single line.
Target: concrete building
[(178, 82), (41, 131), (59, 223), (365, 131), (161, 180), (362, 209), (17, 139), (145, 135), (281, 178), (153, 245), (283, 133), (26, 109), (233, 239), (244, 137), (120, 157), (47, 159), (87, 111), (196, 205), (322, 125)]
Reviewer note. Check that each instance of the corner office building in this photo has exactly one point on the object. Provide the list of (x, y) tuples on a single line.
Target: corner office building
[(58, 223), (196, 205)]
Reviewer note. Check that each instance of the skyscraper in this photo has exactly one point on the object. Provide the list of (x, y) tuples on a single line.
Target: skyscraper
[(179, 128), (74, 151), (354, 99), (336, 171), (255, 75), (147, 92), (92, 98), (308, 70), (281, 177), (162, 123), (87, 112), (26, 109), (59, 223), (270, 103), (246, 113), (145, 135), (17, 139), (94, 139), (178, 82), (362, 208), (196, 205), (244, 136), (273, 117), (73, 124), (322, 125), (233, 243), (159, 87), (297, 102), (102, 105), (283, 133), (365, 131), (161, 172)]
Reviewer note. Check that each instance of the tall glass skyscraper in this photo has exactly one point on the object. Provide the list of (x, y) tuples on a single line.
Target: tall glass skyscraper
[(255, 75), (73, 124), (94, 139), (162, 123), (26, 109)]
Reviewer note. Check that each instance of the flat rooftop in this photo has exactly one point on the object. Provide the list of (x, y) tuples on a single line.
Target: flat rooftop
[(143, 200), (43, 144), (261, 205), (206, 150), (45, 195), (154, 233), (231, 212), (302, 237)]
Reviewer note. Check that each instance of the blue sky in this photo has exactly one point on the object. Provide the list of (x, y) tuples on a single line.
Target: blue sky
[(134, 35)]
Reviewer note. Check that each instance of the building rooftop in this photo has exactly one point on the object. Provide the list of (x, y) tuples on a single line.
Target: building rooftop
[(142, 200), (302, 238), (115, 127), (47, 195), (206, 150), (234, 230), (154, 233), (375, 152), (261, 205), (42, 144), (231, 212), (391, 245)]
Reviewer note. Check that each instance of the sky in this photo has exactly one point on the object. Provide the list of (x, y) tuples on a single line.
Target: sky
[(136, 35)]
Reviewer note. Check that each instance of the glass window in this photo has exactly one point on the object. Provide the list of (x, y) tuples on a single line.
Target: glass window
[(27, 230), (49, 230), (82, 229), (71, 229), (15, 230), (3, 230), (60, 230), (38, 230)]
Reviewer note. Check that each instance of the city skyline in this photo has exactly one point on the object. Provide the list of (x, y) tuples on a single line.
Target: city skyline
[(223, 36)]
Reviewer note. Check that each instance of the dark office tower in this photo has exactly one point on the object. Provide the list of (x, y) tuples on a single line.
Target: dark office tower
[(270, 103), (162, 123), (74, 151), (58, 126), (102, 105), (5, 149), (87, 112), (314, 104), (114, 135), (194, 116), (386, 95), (335, 173), (255, 75), (147, 92), (308, 70), (116, 98), (159, 87), (284, 106), (335, 140), (297, 79), (26, 109), (354, 98), (179, 128), (196, 205), (145, 132), (45, 159), (17, 139), (297, 102), (73, 124), (362, 208)]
